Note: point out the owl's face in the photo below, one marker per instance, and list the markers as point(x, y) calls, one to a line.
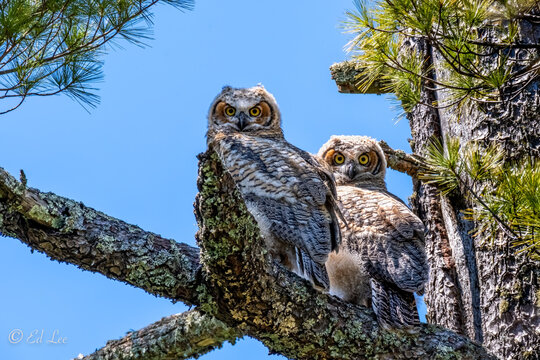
point(250, 110)
point(355, 160)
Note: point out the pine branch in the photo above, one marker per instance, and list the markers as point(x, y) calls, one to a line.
point(249, 291)
point(504, 226)
point(347, 77)
point(68, 231)
point(239, 284)
point(52, 47)
point(459, 31)
point(453, 166)
point(180, 336)
point(398, 160)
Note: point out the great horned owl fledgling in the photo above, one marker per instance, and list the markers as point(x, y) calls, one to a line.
point(290, 195)
point(381, 261)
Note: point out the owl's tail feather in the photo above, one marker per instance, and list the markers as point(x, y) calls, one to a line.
point(395, 308)
point(314, 272)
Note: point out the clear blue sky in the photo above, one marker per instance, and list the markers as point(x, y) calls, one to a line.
point(133, 157)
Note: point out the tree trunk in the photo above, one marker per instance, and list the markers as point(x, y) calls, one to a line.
point(480, 286)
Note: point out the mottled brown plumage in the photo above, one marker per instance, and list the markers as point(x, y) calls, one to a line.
point(288, 192)
point(381, 261)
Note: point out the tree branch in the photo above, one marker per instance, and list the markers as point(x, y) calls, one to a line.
point(249, 291)
point(346, 74)
point(239, 284)
point(68, 231)
point(400, 161)
point(179, 336)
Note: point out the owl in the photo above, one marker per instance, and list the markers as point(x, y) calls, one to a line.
point(381, 261)
point(289, 193)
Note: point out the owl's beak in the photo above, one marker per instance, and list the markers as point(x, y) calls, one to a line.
point(351, 171)
point(243, 121)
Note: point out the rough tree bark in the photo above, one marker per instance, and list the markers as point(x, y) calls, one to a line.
point(179, 336)
point(237, 290)
point(479, 286)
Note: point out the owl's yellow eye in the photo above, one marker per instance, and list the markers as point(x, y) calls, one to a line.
point(230, 111)
point(339, 159)
point(255, 111)
point(363, 159)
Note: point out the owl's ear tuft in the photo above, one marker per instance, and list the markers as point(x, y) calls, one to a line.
point(336, 140)
point(226, 88)
point(260, 85)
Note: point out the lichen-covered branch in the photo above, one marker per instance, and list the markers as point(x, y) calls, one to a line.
point(239, 290)
point(68, 231)
point(346, 75)
point(400, 161)
point(179, 336)
point(249, 291)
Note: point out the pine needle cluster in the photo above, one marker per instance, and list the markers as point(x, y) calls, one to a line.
point(505, 195)
point(475, 43)
point(53, 46)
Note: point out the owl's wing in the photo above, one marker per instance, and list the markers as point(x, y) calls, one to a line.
point(296, 222)
point(392, 238)
point(289, 195)
point(394, 308)
point(389, 240)
point(312, 270)
point(331, 202)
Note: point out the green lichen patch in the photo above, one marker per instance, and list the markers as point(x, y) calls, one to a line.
point(503, 306)
point(106, 244)
point(347, 75)
point(225, 218)
point(137, 272)
point(41, 215)
point(446, 353)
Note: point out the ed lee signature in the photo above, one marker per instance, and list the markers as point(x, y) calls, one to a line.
point(36, 336)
